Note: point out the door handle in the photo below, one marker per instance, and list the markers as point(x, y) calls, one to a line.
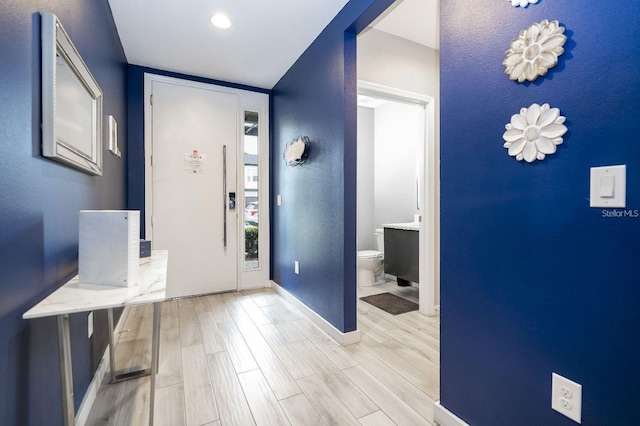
point(224, 195)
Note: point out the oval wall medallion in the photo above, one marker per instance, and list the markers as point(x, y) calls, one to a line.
point(296, 151)
point(534, 133)
point(534, 51)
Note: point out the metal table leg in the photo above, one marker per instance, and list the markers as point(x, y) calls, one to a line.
point(155, 352)
point(115, 377)
point(66, 370)
point(112, 357)
point(155, 356)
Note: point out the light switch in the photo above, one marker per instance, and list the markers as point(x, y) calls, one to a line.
point(608, 187)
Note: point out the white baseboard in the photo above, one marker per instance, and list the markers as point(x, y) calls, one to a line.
point(444, 417)
point(90, 396)
point(344, 339)
point(256, 286)
point(92, 391)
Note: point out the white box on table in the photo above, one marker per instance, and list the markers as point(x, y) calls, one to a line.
point(109, 247)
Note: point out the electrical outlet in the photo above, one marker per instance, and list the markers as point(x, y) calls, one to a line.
point(89, 324)
point(566, 397)
point(296, 267)
point(566, 392)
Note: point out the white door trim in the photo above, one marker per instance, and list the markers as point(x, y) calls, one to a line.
point(250, 101)
point(429, 244)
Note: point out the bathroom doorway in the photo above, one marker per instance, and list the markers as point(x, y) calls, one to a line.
point(398, 59)
point(397, 182)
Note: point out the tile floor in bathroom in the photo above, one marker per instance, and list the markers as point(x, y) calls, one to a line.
point(251, 358)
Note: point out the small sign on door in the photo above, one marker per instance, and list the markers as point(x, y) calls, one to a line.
point(195, 162)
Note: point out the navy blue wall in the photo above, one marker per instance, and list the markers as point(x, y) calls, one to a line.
point(136, 128)
point(316, 222)
point(533, 280)
point(40, 203)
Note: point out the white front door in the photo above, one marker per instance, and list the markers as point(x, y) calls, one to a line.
point(194, 135)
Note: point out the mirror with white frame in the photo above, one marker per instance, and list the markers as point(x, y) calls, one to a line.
point(71, 102)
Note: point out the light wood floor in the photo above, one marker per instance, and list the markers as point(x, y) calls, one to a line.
point(251, 358)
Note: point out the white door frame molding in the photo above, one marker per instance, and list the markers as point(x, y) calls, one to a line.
point(429, 244)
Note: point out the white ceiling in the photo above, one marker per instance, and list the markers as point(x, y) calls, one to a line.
point(265, 40)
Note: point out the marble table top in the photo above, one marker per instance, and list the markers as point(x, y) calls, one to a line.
point(75, 296)
point(410, 226)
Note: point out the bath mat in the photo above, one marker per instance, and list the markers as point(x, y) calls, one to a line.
point(391, 303)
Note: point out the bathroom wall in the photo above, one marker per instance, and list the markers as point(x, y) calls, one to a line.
point(390, 138)
point(366, 179)
point(398, 142)
point(534, 281)
point(40, 204)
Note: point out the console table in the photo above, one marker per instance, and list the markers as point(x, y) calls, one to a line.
point(74, 297)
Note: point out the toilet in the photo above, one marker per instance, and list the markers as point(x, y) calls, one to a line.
point(370, 263)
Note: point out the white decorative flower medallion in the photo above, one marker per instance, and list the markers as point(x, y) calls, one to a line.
point(534, 51)
point(522, 3)
point(534, 133)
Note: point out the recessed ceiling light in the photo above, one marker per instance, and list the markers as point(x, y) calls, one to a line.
point(220, 20)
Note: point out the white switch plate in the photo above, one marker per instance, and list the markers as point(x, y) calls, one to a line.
point(566, 397)
point(296, 267)
point(279, 199)
point(602, 178)
point(89, 324)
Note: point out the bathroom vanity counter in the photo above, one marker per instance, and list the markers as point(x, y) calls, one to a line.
point(409, 226)
point(402, 252)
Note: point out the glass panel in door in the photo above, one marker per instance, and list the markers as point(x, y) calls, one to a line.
point(251, 191)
